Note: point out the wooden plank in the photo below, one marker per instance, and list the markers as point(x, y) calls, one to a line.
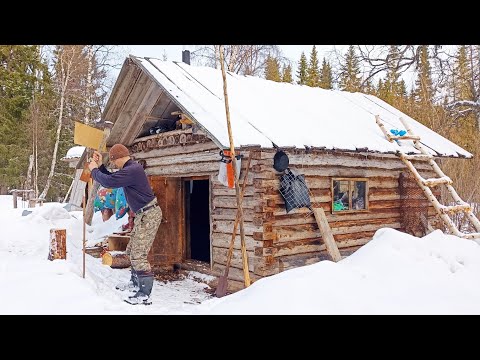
point(78, 189)
point(220, 257)
point(294, 249)
point(371, 166)
point(193, 169)
point(290, 262)
point(264, 186)
point(234, 273)
point(169, 245)
point(225, 226)
point(119, 132)
point(334, 172)
point(222, 240)
point(310, 231)
point(225, 191)
point(182, 159)
point(178, 149)
point(269, 154)
point(327, 235)
point(227, 202)
point(145, 105)
point(335, 220)
point(301, 161)
point(229, 214)
point(124, 84)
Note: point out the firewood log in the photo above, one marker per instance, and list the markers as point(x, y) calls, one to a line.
point(116, 259)
point(58, 244)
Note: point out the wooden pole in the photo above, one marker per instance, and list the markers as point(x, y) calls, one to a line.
point(14, 193)
point(327, 235)
point(95, 185)
point(246, 275)
point(84, 231)
point(222, 281)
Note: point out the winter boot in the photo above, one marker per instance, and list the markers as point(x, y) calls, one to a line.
point(145, 282)
point(131, 285)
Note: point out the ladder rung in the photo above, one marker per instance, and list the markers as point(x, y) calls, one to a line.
point(437, 181)
point(471, 236)
point(404, 137)
point(418, 157)
point(455, 208)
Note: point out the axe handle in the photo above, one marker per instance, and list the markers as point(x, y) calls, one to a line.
point(96, 185)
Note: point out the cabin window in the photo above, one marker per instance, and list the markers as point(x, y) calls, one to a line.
point(349, 195)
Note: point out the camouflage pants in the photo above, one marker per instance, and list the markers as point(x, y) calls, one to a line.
point(142, 236)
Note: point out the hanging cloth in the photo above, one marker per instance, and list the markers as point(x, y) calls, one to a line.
point(294, 190)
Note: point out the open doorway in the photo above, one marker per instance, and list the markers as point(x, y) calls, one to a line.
point(197, 219)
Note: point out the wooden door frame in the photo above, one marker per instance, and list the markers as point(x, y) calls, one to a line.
point(187, 231)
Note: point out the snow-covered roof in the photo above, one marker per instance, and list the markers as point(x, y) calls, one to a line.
point(75, 152)
point(263, 112)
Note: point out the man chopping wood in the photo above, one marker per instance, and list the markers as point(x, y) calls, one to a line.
point(148, 215)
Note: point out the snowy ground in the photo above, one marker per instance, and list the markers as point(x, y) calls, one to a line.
point(393, 274)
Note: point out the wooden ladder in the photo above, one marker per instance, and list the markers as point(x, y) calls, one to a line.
point(426, 184)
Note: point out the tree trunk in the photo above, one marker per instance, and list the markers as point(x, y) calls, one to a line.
point(116, 260)
point(28, 183)
point(58, 244)
point(68, 192)
point(65, 78)
point(35, 155)
point(89, 85)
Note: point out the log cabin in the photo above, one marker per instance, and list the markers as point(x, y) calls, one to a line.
point(171, 116)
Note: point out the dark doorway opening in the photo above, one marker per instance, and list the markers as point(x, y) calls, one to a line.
point(197, 195)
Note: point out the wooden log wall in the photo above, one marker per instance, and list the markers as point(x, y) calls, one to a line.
point(291, 240)
point(188, 153)
point(275, 240)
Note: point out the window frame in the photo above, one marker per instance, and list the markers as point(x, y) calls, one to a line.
point(351, 184)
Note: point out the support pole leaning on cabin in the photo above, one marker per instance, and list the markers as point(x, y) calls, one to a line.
point(246, 275)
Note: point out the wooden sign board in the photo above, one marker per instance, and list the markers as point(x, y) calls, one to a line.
point(88, 136)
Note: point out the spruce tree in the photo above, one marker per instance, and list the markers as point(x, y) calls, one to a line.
point(423, 83)
point(350, 77)
point(272, 70)
point(18, 84)
point(326, 77)
point(461, 88)
point(302, 70)
point(287, 74)
point(313, 72)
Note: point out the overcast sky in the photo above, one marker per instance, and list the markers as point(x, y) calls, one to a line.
point(174, 52)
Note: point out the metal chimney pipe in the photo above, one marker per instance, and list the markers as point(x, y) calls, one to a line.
point(186, 56)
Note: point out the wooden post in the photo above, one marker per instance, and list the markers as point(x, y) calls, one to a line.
point(84, 231)
point(222, 281)
point(246, 275)
point(327, 235)
point(31, 198)
point(58, 244)
point(14, 193)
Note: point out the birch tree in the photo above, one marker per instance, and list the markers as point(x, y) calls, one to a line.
point(240, 59)
point(66, 65)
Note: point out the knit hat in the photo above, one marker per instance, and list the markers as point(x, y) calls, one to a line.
point(118, 151)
